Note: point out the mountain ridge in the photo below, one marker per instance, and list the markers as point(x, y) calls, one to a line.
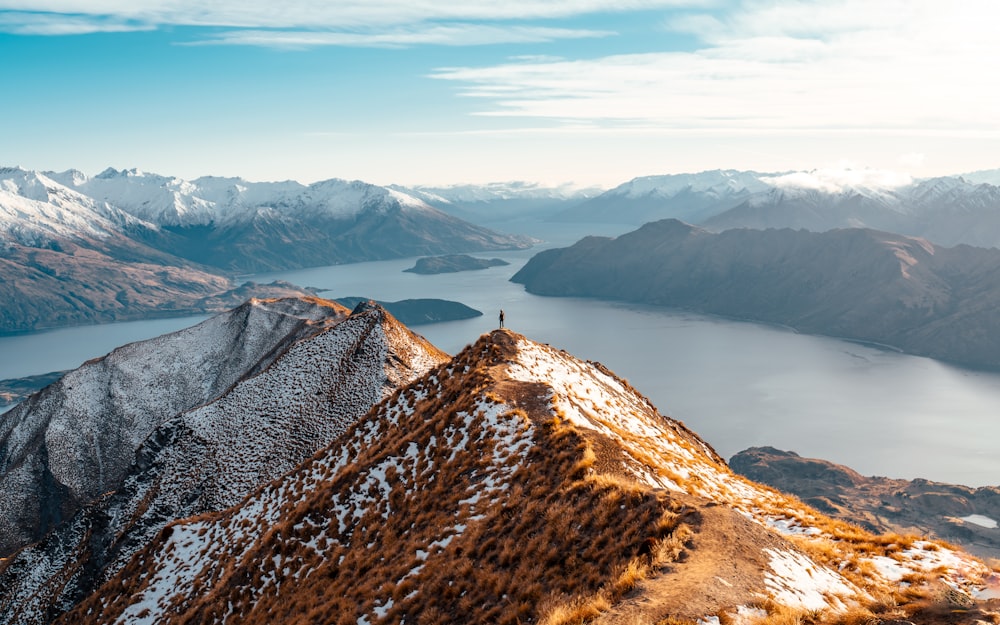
point(516, 483)
point(208, 457)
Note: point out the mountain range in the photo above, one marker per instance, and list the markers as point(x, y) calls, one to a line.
point(126, 244)
point(858, 284)
point(345, 471)
point(947, 210)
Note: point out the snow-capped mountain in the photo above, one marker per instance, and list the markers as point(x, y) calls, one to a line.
point(308, 389)
point(37, 210)
point(516, 483)
point(688, 197)
point(500, 202)
point(946, 210)
point(127, 244)
point(245, 226)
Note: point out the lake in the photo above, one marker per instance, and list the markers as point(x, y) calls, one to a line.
point(736, 384)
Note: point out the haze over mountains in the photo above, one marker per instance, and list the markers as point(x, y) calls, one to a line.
point(947, 210)
point(512, 483)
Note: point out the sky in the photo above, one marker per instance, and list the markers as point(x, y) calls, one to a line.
point(437, 92)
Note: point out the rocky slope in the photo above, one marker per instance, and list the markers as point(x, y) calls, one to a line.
point(210, 457)
point(854, 283)
point(959, 514)
point(76, 439)
point(517, 484)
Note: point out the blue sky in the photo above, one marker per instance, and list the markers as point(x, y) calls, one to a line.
point(440, 92)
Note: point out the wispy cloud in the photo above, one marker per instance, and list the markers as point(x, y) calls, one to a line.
point(450, 35)
point(335, 22)
point(893, 65)
point(837, 180)
point(50, 24)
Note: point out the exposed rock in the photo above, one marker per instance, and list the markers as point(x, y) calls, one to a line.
point(879, 503)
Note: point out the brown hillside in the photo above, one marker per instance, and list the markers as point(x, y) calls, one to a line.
point(517, 484)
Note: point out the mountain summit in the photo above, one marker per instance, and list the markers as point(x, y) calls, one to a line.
point(518, 484)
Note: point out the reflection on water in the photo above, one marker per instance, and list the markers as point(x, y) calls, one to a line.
point(736, 384)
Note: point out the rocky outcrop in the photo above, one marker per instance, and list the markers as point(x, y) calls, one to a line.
point(959, 514)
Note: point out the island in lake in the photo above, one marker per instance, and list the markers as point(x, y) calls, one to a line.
point(452, 263)
point(420, 311)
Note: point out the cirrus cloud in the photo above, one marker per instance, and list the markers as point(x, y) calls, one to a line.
point(871, 66)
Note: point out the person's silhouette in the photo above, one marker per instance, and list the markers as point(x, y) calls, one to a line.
point(501, 317)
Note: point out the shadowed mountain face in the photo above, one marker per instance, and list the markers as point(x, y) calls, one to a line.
point(857, 284)
point(324, 370)
point(513, 483)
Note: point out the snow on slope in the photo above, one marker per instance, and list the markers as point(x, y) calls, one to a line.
point(35, 209)
point(170, 201)
point(75, 439)
point(434, 506)
point(719, 183)
point(211, 457)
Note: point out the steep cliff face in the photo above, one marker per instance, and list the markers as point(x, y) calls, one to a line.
point(75, 440)
point(853, 283)
point(209, 458)
point(517, 484)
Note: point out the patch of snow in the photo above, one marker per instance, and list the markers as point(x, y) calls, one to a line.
point(980, 520)
point(797, 581)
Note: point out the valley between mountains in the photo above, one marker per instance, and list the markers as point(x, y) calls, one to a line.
point(292, 461)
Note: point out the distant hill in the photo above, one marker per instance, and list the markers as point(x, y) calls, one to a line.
point(854, 283)
point(452, 263)
point(420, 311)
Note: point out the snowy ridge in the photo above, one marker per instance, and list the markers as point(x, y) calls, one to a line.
point(496, 191)
point(171, 201)
point(35, 209)
point(211, 457)
point(83, 431)
point(718, 183)
point(514, 462)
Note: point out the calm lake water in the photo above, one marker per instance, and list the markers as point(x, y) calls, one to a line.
point(736, 384)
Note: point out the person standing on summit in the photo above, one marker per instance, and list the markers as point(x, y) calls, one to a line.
point(501, 317)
